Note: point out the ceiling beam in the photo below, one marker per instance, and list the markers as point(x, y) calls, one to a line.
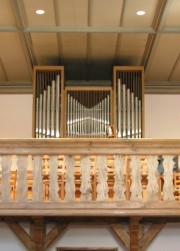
point(159, 17)
point(89, 29)
point(20, 15)
point(9, 28)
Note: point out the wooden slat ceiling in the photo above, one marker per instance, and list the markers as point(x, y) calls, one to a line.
point(89, 37)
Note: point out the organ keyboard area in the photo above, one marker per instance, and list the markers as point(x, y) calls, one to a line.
point(61, 111)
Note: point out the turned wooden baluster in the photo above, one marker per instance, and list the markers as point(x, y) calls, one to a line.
point(168, 188)
point(6, 173)
point(22, 178)
point(37, 188)
point(152, 186)
point(119, 186)
point(136, 186)
point(70, 182)
point(86, 189)
point(53, 169)
point(102, 187)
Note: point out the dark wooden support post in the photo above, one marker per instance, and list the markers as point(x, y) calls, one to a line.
point(134, 233)
point(37, 233)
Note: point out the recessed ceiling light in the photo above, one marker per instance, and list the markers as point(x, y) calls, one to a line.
point(140, 12)
point(40, 12)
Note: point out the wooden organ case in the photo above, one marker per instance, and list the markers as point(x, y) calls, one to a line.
point(48, 85)
point(61, 111)
point(128, 86)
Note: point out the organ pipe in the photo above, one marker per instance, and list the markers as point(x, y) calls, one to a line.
point(87, 113)
point(47, 105)
point(57, 94)
point(118, 108)
point(129, 104)
point(52, 108)
point(48, 111)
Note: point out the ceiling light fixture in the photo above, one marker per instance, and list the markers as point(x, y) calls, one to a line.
point(40, 12)
point(140, 12)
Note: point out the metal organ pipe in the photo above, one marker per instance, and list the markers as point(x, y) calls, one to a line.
point(68, 114)
point(52, 108)
point(57, 134)
point(90, 112)
point(129, 105)
point(37, 117)
point(132, 115)
point(44, 115)
point(119, 108)
point(40, 114)
point(43, 105)
point(140, 117)
point(124, 110)
point(47, 111)
point(128, 114)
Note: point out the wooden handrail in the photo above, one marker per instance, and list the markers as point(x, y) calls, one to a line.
point(95, 146)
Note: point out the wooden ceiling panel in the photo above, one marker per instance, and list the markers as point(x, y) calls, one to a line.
point(133, 40)
point(3, 75)
point(73, 12)
point(44, 39)
point(13, 57)
point(164, 58)
point(74, 45)
point(103, 46)
point(106, 13)
point(35, 20)
point(175, 74)
point(6, 13)
point(130, 18)
point(45, 47)
point(173, 14)
point(131, 48)
point(46, 56)
point(88, 37)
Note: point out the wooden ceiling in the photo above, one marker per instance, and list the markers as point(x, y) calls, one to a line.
point(89, 37)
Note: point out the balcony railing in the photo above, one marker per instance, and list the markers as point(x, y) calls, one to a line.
point(89, 177)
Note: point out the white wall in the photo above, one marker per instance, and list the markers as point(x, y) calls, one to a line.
point(162, 120)
point(87, 236)
point(8, 240)
point(99, 236)
point(93, 236)
point(162, 116)
point(15, 116)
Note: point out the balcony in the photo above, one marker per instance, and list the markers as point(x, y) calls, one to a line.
point(89, 177)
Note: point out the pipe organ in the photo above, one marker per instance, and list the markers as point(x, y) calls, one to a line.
point(88, 112)
point(83, 112)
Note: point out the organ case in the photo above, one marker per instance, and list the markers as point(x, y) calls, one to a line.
point(48, 85)
point(88, 111)
point(128, 86)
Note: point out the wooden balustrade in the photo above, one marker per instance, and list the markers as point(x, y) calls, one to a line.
point(108, 173)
